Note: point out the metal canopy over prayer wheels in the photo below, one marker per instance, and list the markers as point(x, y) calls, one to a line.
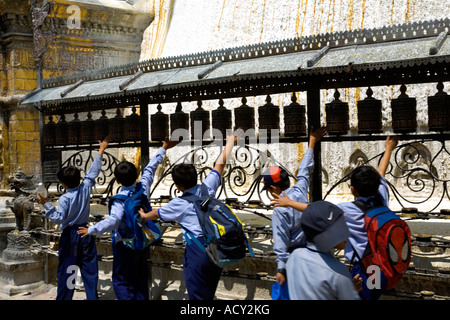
point(337, 115)
point(294, 119)
point(132, 126)
point(61, 131)
point(179, 119)
point(369, 114)
point(244, 116)
point(439, 110)
point(88, 130)
point(221, 119)
point(74, 130)
point(102, 127)
point(199, 121)
point(404, 112)
point(159, 123)
point(50, 132)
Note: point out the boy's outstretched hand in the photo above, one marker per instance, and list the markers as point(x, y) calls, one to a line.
point(103, 144)
point(316, 135)
point(167, 144)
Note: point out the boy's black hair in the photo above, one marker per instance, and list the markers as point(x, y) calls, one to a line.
point(366, 180)
point(70, 176)
point(184, 175)
point(126, 173)
point(285, 182)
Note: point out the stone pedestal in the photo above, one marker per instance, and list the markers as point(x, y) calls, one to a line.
point(20, 269)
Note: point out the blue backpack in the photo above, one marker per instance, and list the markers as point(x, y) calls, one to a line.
point(136, 235)
point(225, 240)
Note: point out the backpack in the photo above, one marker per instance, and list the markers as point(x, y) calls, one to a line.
point(225, 240)
point(136, 235)
point(389, 243)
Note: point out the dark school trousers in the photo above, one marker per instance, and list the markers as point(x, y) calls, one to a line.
point(130, 273)
point(201, 276)
point(76, 252)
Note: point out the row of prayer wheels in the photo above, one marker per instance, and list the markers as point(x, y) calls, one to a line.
point(122, 129)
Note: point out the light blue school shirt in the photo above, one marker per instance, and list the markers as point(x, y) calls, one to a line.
point(116, 214)
point(355, 222)
point(182, 211)
point(314, 275)
point(287, 233)
point(74, 205)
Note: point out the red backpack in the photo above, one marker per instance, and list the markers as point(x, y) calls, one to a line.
point(389, 243)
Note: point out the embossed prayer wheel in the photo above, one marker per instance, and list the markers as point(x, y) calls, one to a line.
point(102, 127)
point(294, 119)
point(439, 110)
point(404, 112)
point(50, 132)
point(337, 115)
point(221, 119)
point(74, 130)
point(61, 131)
point(369, 114)
point(159, 123)
point(88, 130)
point(117, 127)
point(179, 119)
point(244, 117)
point(199, 122)
point(269, 116)
point(132, 130)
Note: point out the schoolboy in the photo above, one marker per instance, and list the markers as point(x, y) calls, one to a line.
point(130, 270)
point(73, 209)
point(201, 276)
point(287, 233)
point(313, 271)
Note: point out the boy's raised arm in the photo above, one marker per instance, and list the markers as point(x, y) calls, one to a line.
point(390, 145)
point(223, 157)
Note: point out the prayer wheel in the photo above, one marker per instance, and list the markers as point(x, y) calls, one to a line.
point(179, 119)
point(159, 123)
point(50, 132)
point(132, 126)
point(221, 119)
point(269, 116)
point(439, 110)
point(102, 127)
point(294, 119)
point(88, 130)
point(74, 130)
point(61, 131)
point(116, 127)
point(244, 117)
point(337, 115)
point(404, 113)
point(369, 114)
point(199, 122)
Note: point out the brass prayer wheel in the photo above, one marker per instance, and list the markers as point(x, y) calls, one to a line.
point(369, 114)
point(199, 122)
point(50, 132)
point(294, 118)
point(269, 116)
point(61, 131)
point(74, 130)
point(221, 119)
point(116, 127)
point(88, 130)
point(159, 123)
point(132, 126)
point(102, 127)
point(404, 112)
point(337, 115)
point(244, 116)
point(179, 119)
point(439, 110)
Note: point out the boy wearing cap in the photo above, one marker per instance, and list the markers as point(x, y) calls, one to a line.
point(287, 233)
point(313, 271)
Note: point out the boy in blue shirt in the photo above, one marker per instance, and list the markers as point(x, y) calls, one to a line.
point(73, 211)
point(287, 233)
point(130, 270)
point(201, 276)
